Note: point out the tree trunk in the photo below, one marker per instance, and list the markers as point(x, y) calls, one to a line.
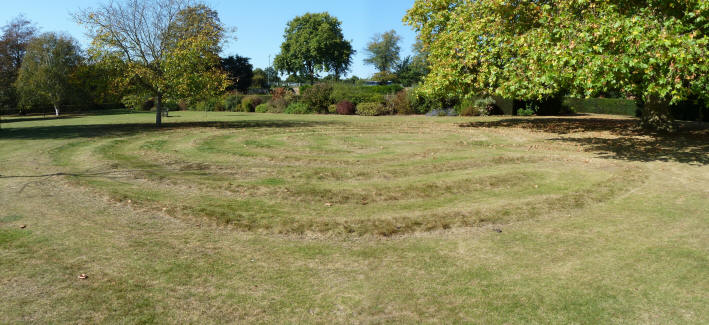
point(656, 115)
point(158, 110)
point(56, 110)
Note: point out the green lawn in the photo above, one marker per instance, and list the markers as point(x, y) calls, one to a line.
point(262, 218)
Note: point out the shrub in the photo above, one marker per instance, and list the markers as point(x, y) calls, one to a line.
point(529, 110)
point(298, 108)
point(280, 99)
point(231, 102)
point(479, 107)
point(318, 97)
point(133, 102)
point(303, 88)
point(345, 108)
point(400, 103)
point(249, 103)
point(262, 108)
point(281, 92)
point(356, 94)
point(210, 105)
point(372, 109)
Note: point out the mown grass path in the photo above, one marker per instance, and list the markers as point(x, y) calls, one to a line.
point(277, 218)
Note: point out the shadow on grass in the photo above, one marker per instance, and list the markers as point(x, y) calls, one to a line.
point(624, 140)
point(6, 120)
point(128, 129)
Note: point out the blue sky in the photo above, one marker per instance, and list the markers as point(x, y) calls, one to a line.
point(259, 24)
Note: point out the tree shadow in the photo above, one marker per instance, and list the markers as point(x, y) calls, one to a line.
point(128, 129)
point(6, 120)
point(622, 138)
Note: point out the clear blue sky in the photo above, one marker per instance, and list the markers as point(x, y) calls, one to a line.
point(259, 24)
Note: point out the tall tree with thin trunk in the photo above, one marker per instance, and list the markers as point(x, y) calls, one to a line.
point(44, 76)
point(166, 47)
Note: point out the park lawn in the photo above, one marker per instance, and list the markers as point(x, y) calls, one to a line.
point(262, 218)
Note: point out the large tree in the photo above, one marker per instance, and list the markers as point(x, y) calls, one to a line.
point(314, 43)
point(16, 35)
point(383, 51)
point(44, 76)
point(240, 72)
point(654, 50)
point(166, 47)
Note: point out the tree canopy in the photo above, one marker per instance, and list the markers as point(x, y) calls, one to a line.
point(239, 71)
point(167, 47)
point(654, 50)
point(15, 38)
point(47, 65)
point(314, 43)
point(383, 51)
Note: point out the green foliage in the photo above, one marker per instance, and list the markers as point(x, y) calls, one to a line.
point(410, 71)
point(485, 106)
point(384, 77)
point(280, 99)
point(135, 102)
point(653, 50)
point(259, 79)
point(615, 106)
point(314, 43)
point(239, 71)
point(44, 76)
point(232, 102)
point(373, 109)
point(383, 51)
point(298, 108)
point(318, 97)
point(361, 94)
point(168, 55)
point(262, 108)
point(16, 36)
point(214, 104)
point(530, 109)
point(249, 103)
point(401, 103)
point(303, 88)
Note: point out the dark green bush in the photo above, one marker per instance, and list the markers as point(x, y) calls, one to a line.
point(615, 106)
point(373, 109)
point(298, 108)
point(318, 97)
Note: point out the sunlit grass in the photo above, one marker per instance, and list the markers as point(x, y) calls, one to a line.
point(301, 219)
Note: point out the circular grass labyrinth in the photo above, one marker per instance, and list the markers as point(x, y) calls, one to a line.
point(379, 176)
